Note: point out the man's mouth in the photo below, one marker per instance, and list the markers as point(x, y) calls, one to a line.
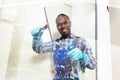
point(64, 30)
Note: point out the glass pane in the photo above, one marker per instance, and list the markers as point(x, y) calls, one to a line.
point(18, 18)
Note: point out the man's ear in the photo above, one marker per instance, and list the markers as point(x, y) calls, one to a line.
point(70, 23)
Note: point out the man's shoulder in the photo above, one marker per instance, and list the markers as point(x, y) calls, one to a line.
point(78, 37)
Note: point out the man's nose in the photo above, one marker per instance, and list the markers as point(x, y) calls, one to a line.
point(63, 25)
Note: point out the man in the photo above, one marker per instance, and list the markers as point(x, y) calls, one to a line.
point(69, 50)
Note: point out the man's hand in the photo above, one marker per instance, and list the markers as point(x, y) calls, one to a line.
point(85, 58)
point(76, 54)
point(37, 33)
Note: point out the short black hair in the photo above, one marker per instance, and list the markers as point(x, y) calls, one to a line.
point(62, 15)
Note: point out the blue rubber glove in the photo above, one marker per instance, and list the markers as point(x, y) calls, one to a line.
point(85, 58)
point(76, 54)
point(37, 33)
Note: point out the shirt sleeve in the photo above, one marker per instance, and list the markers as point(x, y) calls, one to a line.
point(88, 50)
point(43, 48)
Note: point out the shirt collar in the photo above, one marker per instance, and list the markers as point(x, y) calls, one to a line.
point(70, 36)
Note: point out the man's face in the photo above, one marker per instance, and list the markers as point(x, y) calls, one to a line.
point(63, 25)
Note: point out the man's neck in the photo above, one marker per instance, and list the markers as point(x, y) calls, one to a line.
point(65, 36)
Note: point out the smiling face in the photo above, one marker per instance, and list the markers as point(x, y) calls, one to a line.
point(63, 25)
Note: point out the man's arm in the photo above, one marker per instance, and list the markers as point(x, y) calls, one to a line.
point(43, 48)
point(37, 44)
point(92, 61)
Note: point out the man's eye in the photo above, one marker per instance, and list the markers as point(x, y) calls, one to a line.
point(65, 22)
point(58, 25)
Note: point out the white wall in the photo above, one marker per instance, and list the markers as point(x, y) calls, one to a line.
point(115, 39)
point(7, 24)
point(115, 49)
point(6, 30)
